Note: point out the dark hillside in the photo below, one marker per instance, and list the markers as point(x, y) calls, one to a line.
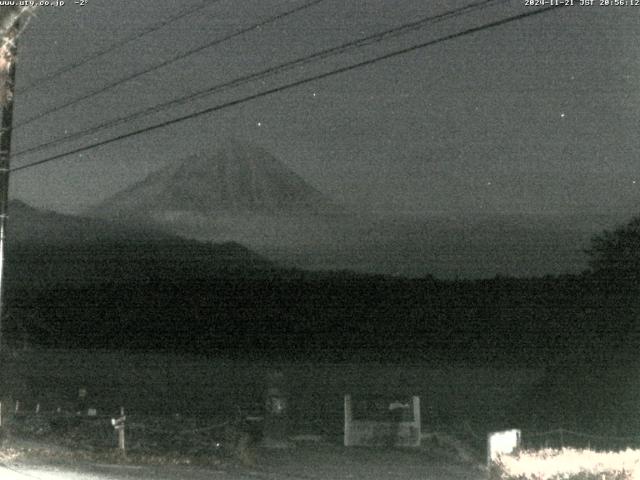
point(567, 320)
point(47, 250)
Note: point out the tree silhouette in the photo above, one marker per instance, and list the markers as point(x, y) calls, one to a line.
point(9, 30)
point(10, 15)
point(616, 254)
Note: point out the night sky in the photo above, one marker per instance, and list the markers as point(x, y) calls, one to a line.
point(540, 115)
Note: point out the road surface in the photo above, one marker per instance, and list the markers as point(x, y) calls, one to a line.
point(21, 471)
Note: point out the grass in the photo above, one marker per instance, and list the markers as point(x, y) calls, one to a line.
point(64, 437)
point(165, 395)
point(165, 384)
point(568, 464)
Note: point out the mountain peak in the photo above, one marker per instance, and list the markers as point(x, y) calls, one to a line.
point(236, 178)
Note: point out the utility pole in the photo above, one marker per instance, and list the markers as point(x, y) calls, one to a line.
point(9, 22)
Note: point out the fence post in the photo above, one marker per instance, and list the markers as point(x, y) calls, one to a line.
point(276, 422)
point(348, 419)
point(121, 439)
point(119, 425)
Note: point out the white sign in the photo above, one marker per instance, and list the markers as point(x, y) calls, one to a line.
point(502, 443)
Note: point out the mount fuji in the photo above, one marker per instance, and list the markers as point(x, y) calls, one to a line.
point(238, 193)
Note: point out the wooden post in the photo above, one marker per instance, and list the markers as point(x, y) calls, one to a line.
point(348, 418)
point(417, 419)
point(121, 439)
point(119, 425)
point(275, 433)
point(489, 457)
point(7, 80)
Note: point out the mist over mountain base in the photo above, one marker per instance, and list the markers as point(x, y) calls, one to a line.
point(447, 248)
point(242, 193)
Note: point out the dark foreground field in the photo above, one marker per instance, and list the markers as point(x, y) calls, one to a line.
point(179, 408)
point(160, 384)
point(56, 445)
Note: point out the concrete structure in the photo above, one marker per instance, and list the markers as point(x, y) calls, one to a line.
point(381, 421)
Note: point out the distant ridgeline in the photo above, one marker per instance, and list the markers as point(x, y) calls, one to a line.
point(48, 250)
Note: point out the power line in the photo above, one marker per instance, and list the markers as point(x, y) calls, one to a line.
point(368, 40)
point(171, 60)
point(297, 83)
point(131, 38)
